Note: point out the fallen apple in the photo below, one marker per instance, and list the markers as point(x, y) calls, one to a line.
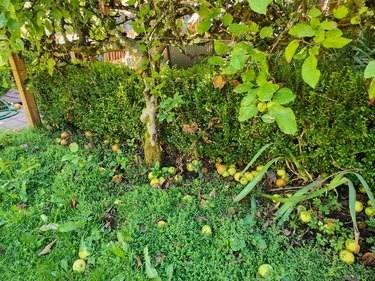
point(265, 269)
point(346, 256)
point(305, 216)
point(351, 246)
point(206, 229)
point(79, 266)
point(162, 224)
point(83, 253)
point(117, 179)
point(64, 142)
point(115, 147)
point(178, 178)
point(64, 135)
point(172, 170)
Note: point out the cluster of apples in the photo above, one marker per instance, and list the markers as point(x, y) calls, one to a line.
point(245, 177)
point(157, 176)
point(80, 264)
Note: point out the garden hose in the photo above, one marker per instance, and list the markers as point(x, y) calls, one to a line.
point(6, 110)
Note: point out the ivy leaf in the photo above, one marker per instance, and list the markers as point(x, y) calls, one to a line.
point(284, 96)
point(220, 48)
point(333, 42)
point(238, 29)
point(216, 60)
point(285, 118)
point(340, 12)
point(291, 49)
point(310, 73)
point(13, 26)
point(302, 30)
point(266, 92)
point(314, 12)
point(204, 26)
point(266, 32)
point(370, 70)
point(253, 27)
point(259, 6)
point(227, 19)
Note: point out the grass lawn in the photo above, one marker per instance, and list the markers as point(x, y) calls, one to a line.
point(51, 194)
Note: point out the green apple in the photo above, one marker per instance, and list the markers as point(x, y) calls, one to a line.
point(351, 246)
point(178, 178)
point(305, 216)
point(79, 266)
point(150, 176)
point(162, 224)
point(244, 181)
point(172, 170)
point(249, 176)
point(206, 229)
point(154, 182)
point(265, 269)
point(232, 171)
point(187, 198)
point(346, 256)
point(237, 176)
point(358, 206)
point(83, 253)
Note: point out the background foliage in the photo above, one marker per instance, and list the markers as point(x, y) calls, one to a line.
point(335, 123)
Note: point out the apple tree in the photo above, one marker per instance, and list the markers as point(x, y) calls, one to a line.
point(246, 33)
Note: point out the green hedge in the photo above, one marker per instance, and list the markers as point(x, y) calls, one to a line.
point(103, 98)
point(336, 125)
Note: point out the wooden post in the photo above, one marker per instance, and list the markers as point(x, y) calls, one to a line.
point(28, 101)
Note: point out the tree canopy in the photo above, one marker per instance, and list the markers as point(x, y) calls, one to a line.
point(245, 35)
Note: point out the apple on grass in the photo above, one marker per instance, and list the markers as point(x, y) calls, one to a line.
point(79, 266)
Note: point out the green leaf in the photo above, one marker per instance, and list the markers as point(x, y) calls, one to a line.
point(227, 19)
point(291, 49)
point(150, 271)
point(243, 88)
point(259, 6)
point(5, 3)
point(71, 226)
point(216, 60)
point(314, 51)
point(220, 48)
point(334, 33)
point(238, 29)
point(340, 12)
point(238, 59)
point(51, 66)
point(3, 20)
point(284, 96)
point(266, 32)
point(302, 30)
point(253, 27)
point(310, 73)
point(332, 42)
point(285, 118)
point(319, 36)
point(265, 92)
point(204, 26)
point(370, 70)
point(314, 23)
point(266, 118)
point(371, 90)
point(18, 46)
point(13, 26)
point(328, 25)
point(314, 12)
point(247, 108)
point(116, 249)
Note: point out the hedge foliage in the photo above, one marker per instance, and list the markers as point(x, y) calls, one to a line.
point(102, 98)
point(336, 125)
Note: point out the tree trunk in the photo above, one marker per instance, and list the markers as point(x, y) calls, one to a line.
point(152, 148)
point(28, 101)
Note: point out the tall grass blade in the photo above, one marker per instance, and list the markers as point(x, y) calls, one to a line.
point(255, 180)
point(252, 161)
